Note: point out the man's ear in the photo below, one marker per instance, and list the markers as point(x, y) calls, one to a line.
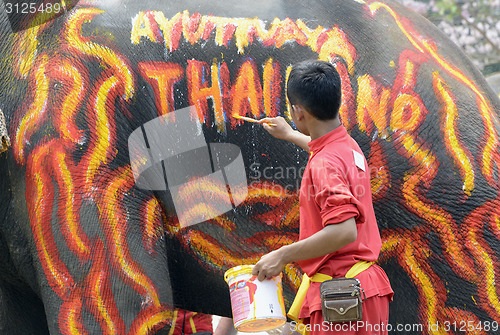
point(299, 112)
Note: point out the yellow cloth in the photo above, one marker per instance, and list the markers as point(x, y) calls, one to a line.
point(358, 268)
point(294, 311)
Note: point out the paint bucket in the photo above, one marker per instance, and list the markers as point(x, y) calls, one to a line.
point(257, 305)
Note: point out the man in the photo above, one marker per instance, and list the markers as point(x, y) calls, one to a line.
point(338, 228)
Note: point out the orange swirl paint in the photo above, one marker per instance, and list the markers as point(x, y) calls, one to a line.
point(171, 30)
point(100, 301)
point(68, 206)
point(454, 314)
point(248, 29)
point(274, 240)
point(36, 112)
point(426, 167)
point(412, 252)
point(190, 194)
point(25, 49)
point(284, 204)
point(334, 42)
point(40, 201)
point(491, 150)
point(247, 92)
point(152, 224)
point(110, 188)
point(294, 275)
point(372, 106)
point(162, 77)
point(151, 319)
point(195, 27)
point(379, 171)
point(70, 315)
point(407, 113)
point(206, 247)
point(491, 154)
point(284, 215)
point(291, 218)
point(142, 24)
point(461, 155)
point(203, 210)
point(408, 109)
point(485, 258)
point(328, 43)
point(347, 111)
point(391, 244)
point(79, 44)
point(402, 23)
point(426, 281)
point(200, 90)
point(218, 254)
point(270, 193)
point(283, 31)
point(312, 36)
point(272, 88)
point(102, 126)
point(224, 223)
point(114, 216)
point(75, 85)
point(495, 223)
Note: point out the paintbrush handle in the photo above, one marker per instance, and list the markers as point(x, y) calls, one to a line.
point(244, 118)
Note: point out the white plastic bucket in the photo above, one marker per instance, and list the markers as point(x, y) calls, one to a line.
point(257, 305)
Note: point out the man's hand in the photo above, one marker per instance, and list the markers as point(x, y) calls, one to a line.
point(328, 240)
point(270, 265)
point(283, 131)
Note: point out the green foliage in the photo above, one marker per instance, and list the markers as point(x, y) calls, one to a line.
point(448, 9)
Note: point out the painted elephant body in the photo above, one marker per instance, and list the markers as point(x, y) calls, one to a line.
point(85, 250)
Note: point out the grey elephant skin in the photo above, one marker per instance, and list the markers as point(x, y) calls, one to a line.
point(87, 248)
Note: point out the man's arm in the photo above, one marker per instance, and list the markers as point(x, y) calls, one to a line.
point(328, 240)
point(283, 131)
point(225, 327)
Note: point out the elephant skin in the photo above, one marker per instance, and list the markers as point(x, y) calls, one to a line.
point(86, 250)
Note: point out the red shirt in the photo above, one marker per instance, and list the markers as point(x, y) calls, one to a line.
point(336, 186)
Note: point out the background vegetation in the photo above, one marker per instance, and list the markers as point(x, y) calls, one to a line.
point(474, 25)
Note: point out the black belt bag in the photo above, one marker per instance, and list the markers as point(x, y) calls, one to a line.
point(341, 300)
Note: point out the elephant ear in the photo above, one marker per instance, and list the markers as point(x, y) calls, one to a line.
point(4, 137)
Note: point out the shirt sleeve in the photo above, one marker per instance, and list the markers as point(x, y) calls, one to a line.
point(333, 195)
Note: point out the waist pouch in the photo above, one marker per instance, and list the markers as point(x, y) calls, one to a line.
point(341, 300)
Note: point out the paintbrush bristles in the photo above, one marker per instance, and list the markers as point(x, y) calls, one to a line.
point(244, 118)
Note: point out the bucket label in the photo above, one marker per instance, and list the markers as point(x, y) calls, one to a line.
point(242, 294)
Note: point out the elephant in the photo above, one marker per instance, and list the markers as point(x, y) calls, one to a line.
point(85, 248)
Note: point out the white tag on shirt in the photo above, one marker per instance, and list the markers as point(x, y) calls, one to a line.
point(359, 160)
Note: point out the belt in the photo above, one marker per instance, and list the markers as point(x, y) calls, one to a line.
point(294, 311)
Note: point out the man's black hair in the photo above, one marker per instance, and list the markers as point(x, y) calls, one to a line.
point(316, 86)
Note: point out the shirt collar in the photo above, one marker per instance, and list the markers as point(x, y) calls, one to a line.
point(334, 135)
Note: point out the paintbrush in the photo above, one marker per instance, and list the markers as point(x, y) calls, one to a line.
point(244, 118)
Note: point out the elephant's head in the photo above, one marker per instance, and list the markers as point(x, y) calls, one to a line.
point(93, 246)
